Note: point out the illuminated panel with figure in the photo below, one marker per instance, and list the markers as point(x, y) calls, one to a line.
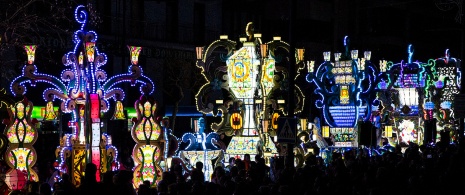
point(244, 84)
point(84, 91)
point(409, 83)
point(345, 88)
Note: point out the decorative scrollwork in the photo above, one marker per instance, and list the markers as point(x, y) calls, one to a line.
point(18, 89)
point(68, 75)
point(51, 94)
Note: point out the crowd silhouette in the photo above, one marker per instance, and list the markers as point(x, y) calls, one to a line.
point(433, 169)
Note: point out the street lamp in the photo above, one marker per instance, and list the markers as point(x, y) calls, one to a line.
point(300, 54)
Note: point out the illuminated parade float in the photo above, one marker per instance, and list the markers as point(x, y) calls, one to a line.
point(247, 86)
point(85, 91)
point(409, 84)
point(345, 87)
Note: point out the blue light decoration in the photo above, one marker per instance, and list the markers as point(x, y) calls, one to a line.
point(447, 85)
point(84, 90)
point(202, 148)
point(410, 85)
point(345, 88)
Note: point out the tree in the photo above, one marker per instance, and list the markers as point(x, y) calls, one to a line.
point(45, 23)
point(181, 75)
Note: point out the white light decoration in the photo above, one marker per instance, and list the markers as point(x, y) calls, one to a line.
point(367, 55)
point(408, 96)
point(337, 56)
point(327, 55)
point(354, 54)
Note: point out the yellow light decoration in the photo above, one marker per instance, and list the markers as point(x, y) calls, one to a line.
point(236, 120)
point(49, 114)
point(119, 111)
point(388, 131)
point(199, 52)
point(20, 130)
point(78, 159)
point(90, 51)
point(134, 52)
point(303, 124)
point(31, 51)
point(21, 158)
point(146, 128)
point(243, 145)
point(147, 158)
point(268, 76)
point(300, 54)
point(325, 131)
point(242, 71)
point(21, 134)
point(274, 121)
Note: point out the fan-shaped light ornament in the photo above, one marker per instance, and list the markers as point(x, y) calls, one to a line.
point(15, 179)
